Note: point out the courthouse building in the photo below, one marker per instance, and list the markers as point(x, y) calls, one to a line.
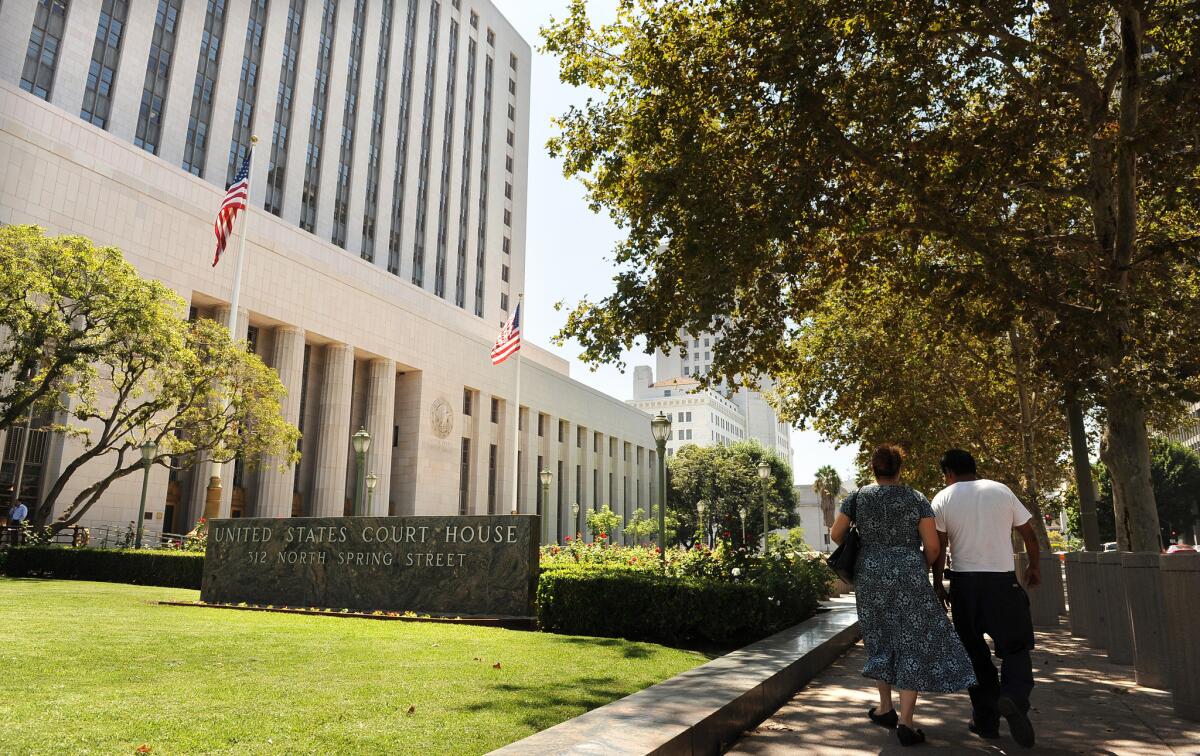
point(385, 239)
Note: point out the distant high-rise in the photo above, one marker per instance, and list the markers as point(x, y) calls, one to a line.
point(712, 416)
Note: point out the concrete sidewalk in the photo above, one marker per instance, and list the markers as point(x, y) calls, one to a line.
point(1082, 704)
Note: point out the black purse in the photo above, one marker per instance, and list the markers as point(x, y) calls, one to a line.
point(845, 555)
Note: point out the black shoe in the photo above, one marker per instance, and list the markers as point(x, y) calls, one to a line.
point(1018, 721)
point(986, 734)
point(908, 736)
point(889, 720)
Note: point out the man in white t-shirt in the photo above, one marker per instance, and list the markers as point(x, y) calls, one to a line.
point(975, 519)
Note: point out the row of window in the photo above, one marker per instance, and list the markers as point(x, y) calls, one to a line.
point(41, 62)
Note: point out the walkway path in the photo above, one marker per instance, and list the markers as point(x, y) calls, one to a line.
point(1082, 704)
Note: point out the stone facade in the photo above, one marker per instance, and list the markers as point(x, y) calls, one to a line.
point(355, 344)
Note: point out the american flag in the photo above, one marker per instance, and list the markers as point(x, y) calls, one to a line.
point(509, 340)
point(235, 200)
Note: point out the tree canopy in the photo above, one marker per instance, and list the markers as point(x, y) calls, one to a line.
point(726, 479)
point(118, 366)
point(1012, 162)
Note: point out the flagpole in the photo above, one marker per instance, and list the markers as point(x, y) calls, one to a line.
point(517, 419)
point(241, 252)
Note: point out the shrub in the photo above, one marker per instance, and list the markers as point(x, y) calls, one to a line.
point(172, 569)
point(706, 597)
point(630, 603)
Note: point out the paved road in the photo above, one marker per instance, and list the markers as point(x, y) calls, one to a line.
point(1082, 704)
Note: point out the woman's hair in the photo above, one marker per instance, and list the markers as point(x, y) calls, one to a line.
point(887, 461)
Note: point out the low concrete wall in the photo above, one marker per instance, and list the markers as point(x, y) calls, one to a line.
point(1143, 594)
point(1045, 601)
point(1095, 618)
point(1076, 599)
point(703, 710)
point(1112, 588)
point(1181, 593)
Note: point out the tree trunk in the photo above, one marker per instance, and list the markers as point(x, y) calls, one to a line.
point(1126, 452)
point(1030, 464)
point(1083, 474)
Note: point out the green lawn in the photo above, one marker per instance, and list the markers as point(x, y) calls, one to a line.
point(100, 668)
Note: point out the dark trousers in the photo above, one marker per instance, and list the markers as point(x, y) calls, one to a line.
point(994, 603)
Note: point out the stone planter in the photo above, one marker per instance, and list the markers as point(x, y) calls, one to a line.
point(1046, 599)
point(1112, 587)
point(1143, 595)
point(1181, 594)
point(1094, 617)
point(1076, 600)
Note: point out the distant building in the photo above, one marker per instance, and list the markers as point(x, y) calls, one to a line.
point(815, 522)
point(716, 415)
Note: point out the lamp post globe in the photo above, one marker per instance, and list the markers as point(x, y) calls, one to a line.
point(660, 427)
point(764, 472)
point(362, 442)
point(700, 507)
point(149, 449)
point(742, 514)
point(575, 518)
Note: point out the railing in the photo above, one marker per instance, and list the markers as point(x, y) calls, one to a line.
point(102, 535)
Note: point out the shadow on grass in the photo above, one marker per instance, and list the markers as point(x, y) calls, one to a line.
point(540, 707)
point(629, 649)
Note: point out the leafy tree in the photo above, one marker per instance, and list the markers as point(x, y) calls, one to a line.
point(1175, 470)
point(641, 527)
point(827, 485)
point(605, 521)
point(120, 367)
point(1033, 161)
point(726, 478)
point(926, 385)
point(64, 304)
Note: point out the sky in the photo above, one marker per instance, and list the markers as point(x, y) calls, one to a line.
point(568, 247)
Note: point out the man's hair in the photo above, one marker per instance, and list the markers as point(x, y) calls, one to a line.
point(887, 460)
point(958, 462)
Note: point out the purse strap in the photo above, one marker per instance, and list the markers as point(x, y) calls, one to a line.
point(853, 510)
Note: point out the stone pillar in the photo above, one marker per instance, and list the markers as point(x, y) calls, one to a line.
point(204, 468)
point(212, 497)
point(1144, 597)
point(1180, 575)
point(381, 417)
point(1075, 596)
point(275, 488)
point(1120, 633)
point(333, 432)
point(1045, 599)
point(1097, 631)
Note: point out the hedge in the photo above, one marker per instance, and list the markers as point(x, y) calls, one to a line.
point(645, 606)
point(173, 569)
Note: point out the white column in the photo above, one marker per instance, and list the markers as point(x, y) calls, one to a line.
point(131, 79)
point(333, 433)
point(16, 22)
point(177, 105)
point(75, 55)
point(381, 417)
point(275, 488)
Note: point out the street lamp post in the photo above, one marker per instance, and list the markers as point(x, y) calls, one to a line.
point(372, 481)
point(149, 449)
point(700, 507)
point(764, 472)
point(362, 442)
point(660, 426)
point(742, 514)
point(545, 476)
point(575, 519)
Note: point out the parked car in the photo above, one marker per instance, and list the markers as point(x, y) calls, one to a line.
point(1176, 548)
point(1110, 546)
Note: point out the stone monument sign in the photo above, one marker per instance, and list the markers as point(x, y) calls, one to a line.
point(463, 566)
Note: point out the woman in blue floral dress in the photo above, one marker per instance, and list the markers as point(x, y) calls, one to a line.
point(911, 645)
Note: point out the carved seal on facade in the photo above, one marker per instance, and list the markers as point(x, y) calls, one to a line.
point(442, 417)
